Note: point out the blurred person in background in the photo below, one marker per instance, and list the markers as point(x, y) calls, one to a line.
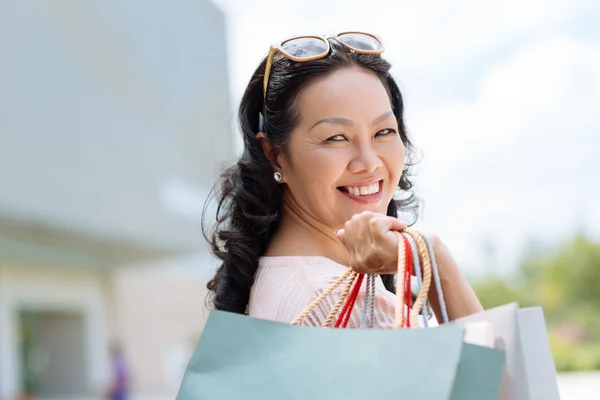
point(324, 174)
point(119, 387)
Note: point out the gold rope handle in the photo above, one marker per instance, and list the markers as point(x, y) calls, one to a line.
point(329, 320)
point(322, 296)
point(400, 311)
point(400, 282)
point(426, 268)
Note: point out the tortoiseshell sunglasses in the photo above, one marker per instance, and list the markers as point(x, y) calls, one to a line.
point(308, 48)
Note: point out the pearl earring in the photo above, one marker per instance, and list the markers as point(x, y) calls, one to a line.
point(277, 176)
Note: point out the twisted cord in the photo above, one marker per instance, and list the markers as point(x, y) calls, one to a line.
point(426, 261)
point(372, 301)
point(323, 295)
point(329, 320)
point(436, 278)
point(417, 267)
point(365, 312)
point(400, 285)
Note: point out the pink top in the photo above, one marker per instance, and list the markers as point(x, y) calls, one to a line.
point(285, 285)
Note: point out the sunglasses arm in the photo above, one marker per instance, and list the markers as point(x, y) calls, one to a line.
point(268, 72)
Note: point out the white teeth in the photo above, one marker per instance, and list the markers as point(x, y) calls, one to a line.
point(363, 190)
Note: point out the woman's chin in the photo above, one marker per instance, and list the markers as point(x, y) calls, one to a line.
point(359, 208)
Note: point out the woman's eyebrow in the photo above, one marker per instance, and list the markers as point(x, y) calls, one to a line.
point(348, 122)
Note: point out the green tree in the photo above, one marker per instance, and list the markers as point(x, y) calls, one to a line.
point(566, 283)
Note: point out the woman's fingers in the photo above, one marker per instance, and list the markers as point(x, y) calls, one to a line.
point(371, 242)
point(340, 235)
point(381, 224)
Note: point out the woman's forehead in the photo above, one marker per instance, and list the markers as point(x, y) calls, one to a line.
point(349, 93)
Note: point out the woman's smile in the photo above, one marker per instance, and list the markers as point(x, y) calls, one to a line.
point(364, 193)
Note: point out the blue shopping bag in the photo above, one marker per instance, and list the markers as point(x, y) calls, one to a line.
point(240, 357)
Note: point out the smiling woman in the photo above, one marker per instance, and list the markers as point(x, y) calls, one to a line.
point(325, 150)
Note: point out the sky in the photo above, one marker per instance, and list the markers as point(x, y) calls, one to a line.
point(501, 99)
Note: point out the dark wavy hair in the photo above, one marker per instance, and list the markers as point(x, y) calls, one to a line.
point(249, 199)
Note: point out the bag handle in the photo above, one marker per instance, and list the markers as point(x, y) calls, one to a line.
point(350, 275)
point(343, 296)
point(344, 317)
point(401, 287)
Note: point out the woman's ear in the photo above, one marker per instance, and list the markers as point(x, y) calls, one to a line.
point(270, 152)
point(274, 156)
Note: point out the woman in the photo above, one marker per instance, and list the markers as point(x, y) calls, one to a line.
point(325, 151)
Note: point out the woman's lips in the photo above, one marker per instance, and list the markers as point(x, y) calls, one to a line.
point(363, 198)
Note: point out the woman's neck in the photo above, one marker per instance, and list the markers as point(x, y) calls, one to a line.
point(300, 234)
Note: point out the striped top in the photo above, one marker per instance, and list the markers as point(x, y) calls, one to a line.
point(285, 285)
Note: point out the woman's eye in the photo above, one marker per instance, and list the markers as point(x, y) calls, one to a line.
point(337, 138)
point(386, 132)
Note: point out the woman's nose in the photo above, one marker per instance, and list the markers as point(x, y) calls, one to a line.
point(366, 159)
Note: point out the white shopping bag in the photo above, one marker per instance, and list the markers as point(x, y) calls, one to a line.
point(530, 373)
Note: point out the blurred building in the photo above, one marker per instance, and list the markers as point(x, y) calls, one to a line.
point(114, 121)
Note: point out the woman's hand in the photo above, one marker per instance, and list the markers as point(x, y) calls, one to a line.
point(373, 248)
point(371, 242)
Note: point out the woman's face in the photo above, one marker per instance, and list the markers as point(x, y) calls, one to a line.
point(346, 155)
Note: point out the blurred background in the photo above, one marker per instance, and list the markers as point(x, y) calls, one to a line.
point(116, 117)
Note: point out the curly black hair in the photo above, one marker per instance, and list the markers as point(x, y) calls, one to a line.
point(249, 199)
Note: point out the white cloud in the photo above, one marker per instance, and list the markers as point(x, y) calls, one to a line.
point(509, 162)
point(420, 38)
point(519, 161)
point(546, 90)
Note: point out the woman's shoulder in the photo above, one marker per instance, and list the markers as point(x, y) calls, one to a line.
point(296, 260)
point(312, 272)
point(271, 264)
point(284, 285)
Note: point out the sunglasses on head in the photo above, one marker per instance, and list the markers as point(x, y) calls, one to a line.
point(308, 48)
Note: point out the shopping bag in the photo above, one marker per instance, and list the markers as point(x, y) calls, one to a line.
point(542, 382)
point(240, 357)
point(530, 373)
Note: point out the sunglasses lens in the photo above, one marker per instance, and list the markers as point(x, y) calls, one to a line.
point(361, 41)
point(305, 47)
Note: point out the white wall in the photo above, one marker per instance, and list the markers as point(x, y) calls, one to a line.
point(122, 99)
point(52, 289)
point(160, 315)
